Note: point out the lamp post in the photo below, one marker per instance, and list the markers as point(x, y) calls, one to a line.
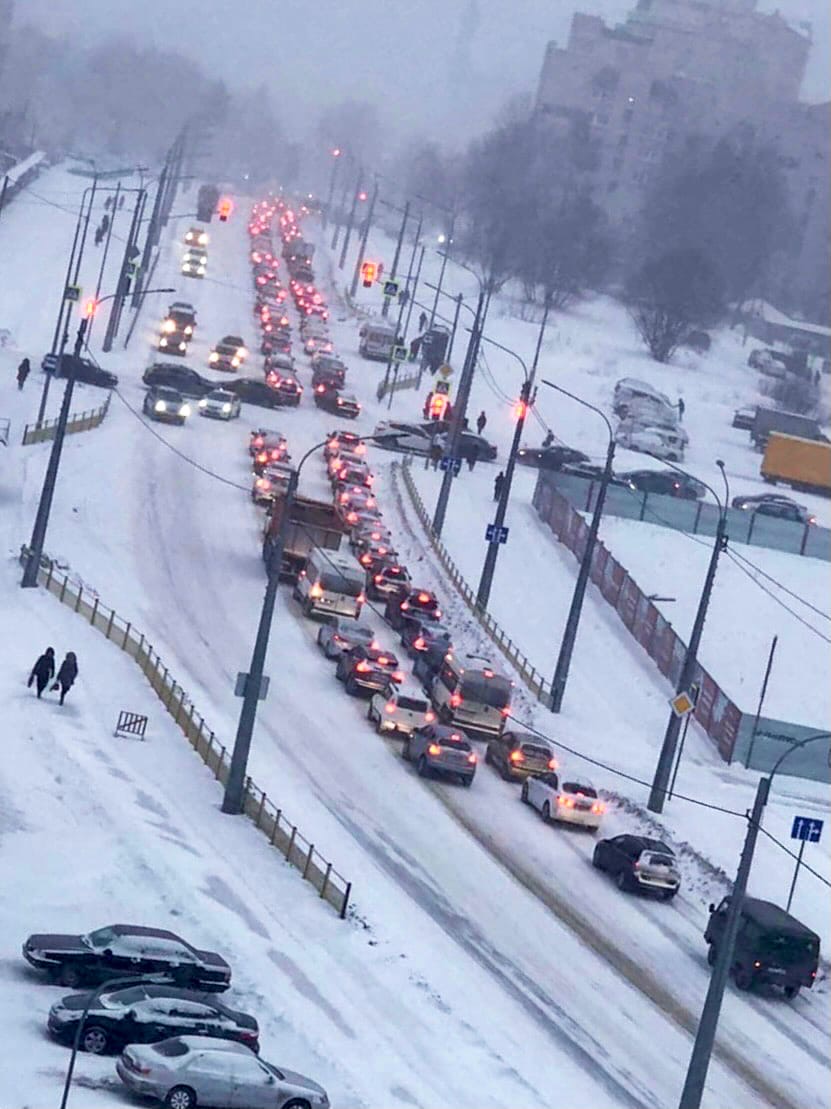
point(657, 794)
point(447, 241)
point(353, 288)
point(705, 1034)
point(336, 153)
point(560, 679)
point(357, 194)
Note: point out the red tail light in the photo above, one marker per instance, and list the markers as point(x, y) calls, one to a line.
point(423, 598)
point(434, 749)
point(316, 591)
point(365, 560)
point(363, 666)
point(419, 644)
point(405, 606)
point(472, 757)
point(517, 756)
point(397, 676)
point(429, 716)
point(506, 711)
point(552, 764)
point(378, 579)
point(598, 808)
point(389, 706)
point(361, 598)
point(258, 441)
point(455, 700)
point(262, 456)
point(383, 660)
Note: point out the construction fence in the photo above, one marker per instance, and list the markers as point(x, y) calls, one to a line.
point(78, 421)
point(265, 813)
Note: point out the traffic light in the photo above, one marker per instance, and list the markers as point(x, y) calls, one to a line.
point(89, 307)
point(226, 206)
point(369, 272)
point(520, 410)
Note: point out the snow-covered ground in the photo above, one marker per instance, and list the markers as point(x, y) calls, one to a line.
point(484, 955)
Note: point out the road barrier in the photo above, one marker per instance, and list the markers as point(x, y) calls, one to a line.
point(266, 815)
point(395, 384)
point(131, 723)
point(80, 421)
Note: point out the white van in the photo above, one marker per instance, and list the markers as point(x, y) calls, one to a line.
point(332, 584)
point(376, 339)
point(475, 698)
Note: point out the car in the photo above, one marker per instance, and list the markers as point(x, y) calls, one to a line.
point(194, 263)
point(367, 669)
point(369, 534)
point(224, 356)
point(270, 482)
point(85, 371)
point(375, 559)
point(196, 236)
point(419, 604)
point(591, 471)
point(219, 404)
point(354, 496)
point(125, 949)
point(237, 342)
point(144, 1014)
point(283, 363)
point(399, 710)
point(251, 391)
point(315, 343)
point(330, 376)
point(187, 381)
point(345, 458)
point(441, 750)
point(418, 636)
point(558, 797)
point(550, 458)
point(517, 755)
point(387, 581)
point(672, 483)
point(339, 635)
point(770, 504)
point(629, 391)
point(348, 470)
point(267, 437)
point(473, 446)
point(166, 405)
point(341, 439)
point(275, 343)
point(744, 418)
point(186, 1071)
point(174, 343)
point(358, 518)
point(287, 388)
point(639, 863)
point(324, 362)
point(272, 453)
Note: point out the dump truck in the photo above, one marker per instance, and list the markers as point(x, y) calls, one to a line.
point(769, 420)
point(804, 464)
point(311, 524)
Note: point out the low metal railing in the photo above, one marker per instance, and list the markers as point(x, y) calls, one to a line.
point(80, 421)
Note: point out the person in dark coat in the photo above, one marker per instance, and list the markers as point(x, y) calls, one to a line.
point(67, 674)
point(120, 202)
point(498, 482)
point(43, 671)
point(481, 421)
point(23, 372)
point(681, 409)
point(422, 322)
point(549, 439)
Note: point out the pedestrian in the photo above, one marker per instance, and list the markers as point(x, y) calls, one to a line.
point(415, 345)
point(816, 377)
point(107, 203)
point(121, 202)
point(43, 671)
point(105, 224)
point(498, 482)
point(548, 440)
point(465, 423)
point(67, 674)
point(681, 409)
point(23, 372)
point(481, 421)
point(436, 451)
point(422, 322)
point(98, 236)
point(404, 297)
point(473, 457)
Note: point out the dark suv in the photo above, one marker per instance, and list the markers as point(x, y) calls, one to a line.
point(517, 755)
point(639, 863)
point(187, 381)
point(367, 669)
point(670, 482)
point(771, 946)
point(419, 604)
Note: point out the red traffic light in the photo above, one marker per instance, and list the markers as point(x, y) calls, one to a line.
point(369, 273)
point(362, 195)
point(226, 206)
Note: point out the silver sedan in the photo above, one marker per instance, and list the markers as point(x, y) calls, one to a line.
point(339, 635)
point(196, 1070)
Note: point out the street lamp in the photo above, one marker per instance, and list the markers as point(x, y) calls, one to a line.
point(706, 1032)
point(560, 679)
point(335, 155)
point(445, 254)
point(657, 794)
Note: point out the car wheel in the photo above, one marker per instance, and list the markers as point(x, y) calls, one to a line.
point(791, 992)
point(668, 895)
point(421, 766)
point(622, 881)
point(405, 749)
point(743, 978)
point(712, 955)
point(524, 794)
point(350, 687)
point(95, 1040)
point(488, 756)
point(297, 1103)
point(546, 813)
point(596, 859)
point(180, 1097)
point(466, 780)
point(370, 714)
point(69, 976)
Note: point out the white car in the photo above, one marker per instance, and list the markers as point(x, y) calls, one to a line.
point(400, 710)
point(558, 797)
point(220, 404)
point(194, 263)
point(662, 442)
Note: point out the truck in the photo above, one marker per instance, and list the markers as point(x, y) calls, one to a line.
point(768, 420)
point(804, 464)
point(312, 524)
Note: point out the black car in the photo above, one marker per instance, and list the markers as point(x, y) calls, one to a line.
point(286, 386)
point(771, 504)
point(550, 458)
point(144, 1014)
point(168, 406)
point(328, 397)
point(670, 482)
point(419, 636)
point(187, 381)
point(591, 471)
point(85, 371)
point(125, 949)
point(418, 605)
point(330, 374)
point(639, 863)
point(474, 446)
point(251, 391)
point(367, 669)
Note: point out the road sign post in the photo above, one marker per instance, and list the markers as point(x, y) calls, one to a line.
point(454, 464)
point(399, 354)
point(806, 829)
point(72, 293)
point(495, 535)
point(391, 289)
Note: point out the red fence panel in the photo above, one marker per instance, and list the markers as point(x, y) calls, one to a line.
point(627, 602)
point(645, 620)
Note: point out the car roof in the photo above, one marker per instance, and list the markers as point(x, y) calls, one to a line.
point(167, 389)
point(648, 844)
point(209, 1043)
point(141, 930)
point(222, 393)
point(768, 915)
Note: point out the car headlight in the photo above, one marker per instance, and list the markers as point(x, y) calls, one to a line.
point(57, 1012)
point(183, 347)
point(168, 326)
point(226, 407)
point(235, 362)
point(201, 270)
point(162, 342)
point(242, 352)
point(188, 330)
point(160, 406)
point(213, 356)
point(184, 410)
point(186, 267)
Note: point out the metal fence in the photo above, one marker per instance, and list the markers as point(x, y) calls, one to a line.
point(395, 384)
point(5, 428)
point(267, 816)
point(695, 517)
point(79, 421)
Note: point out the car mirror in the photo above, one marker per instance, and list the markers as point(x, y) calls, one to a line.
point(108, 952)
point(711, 907)
point(130, 1014)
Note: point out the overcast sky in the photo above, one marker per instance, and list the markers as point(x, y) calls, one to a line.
point(435, 65)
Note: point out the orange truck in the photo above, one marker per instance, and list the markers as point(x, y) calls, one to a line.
point(804, 464)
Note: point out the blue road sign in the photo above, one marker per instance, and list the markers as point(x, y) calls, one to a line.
point(806, 828)
point(454, 464)
point(494, 535)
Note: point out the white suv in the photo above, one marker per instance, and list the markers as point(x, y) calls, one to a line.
point(400, 710)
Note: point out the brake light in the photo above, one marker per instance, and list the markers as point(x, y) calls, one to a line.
point(365, 560)
point(258, 441)
point(352, 517)
point(397, 676)
point(344, 498)
point(263, 483)
point(506, 710)
point(378, 579)
point(316, 590)
point(389, 706)
point(383, 660)
point(419, 644)
point(517, 756)
point(277, 454)
point(405, 606)
point(434, 749)
point(262, 456)
point(598, 807)
point(472, 757)
point(363, 666)
point(566, 801)
point(455, 700)
point(423, 598)
point(552, 764)
point(429, 716)
point(361, 598)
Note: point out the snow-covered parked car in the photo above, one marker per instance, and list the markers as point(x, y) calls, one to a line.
point(563, 798)
point(659, 440)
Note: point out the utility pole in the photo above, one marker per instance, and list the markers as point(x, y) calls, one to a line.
point(412, 292)
point(364, 237)
point(460, 408)
point(335, 163)
point(657, 794)
point(153, 234)
point(351, 219)
point(445, 254)
point(336, 233)
point(104, 255)
point(3, 192)
point(130, 254)
point(385, 307)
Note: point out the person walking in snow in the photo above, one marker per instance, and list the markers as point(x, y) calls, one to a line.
point(23, 372)
point(481, 421)
point(498, 482)
point(67, 674)
point(681, 409)
point(548, 440)
point(43, 671)
point(422, 322)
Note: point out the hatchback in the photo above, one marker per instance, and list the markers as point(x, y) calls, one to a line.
point(639, 863)
point(517, 755)
point(399, 710)
point(442, 750)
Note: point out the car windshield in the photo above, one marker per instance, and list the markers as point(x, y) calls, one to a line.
point(171, 1048)
point(336, 582)
point(652, 858)
point(218, 394)
point(454, 740)
point(535, 752)
point(494, 692)
point(101, 937)
point(123, 997)
point(577, 787)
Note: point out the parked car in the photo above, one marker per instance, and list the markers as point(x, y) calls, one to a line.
point(629, 391)
point(670, 482)
point(517, 755)
point(367, 669)
point(187, 381)
point(145, 1013)
point(166, 405)
point(439, 749)
point(187, 1071)
point(125, 949)
point(86, 372)
point(639, 863)
point(658, 440)
point(339, 635)
point(399, 710)
point(772, 504)
point(550, 458)
point(557, 797)
point(220, 404)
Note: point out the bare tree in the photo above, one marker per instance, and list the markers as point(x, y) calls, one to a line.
point(671, 294)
